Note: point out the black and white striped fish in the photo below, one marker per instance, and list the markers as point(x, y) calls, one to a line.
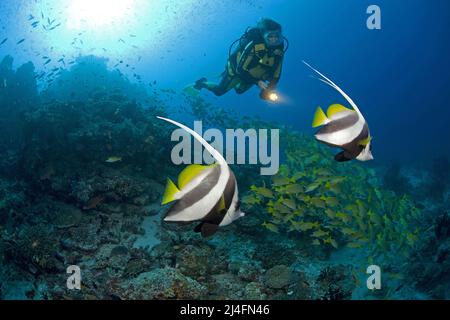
point(204, 193)
point(343, 128)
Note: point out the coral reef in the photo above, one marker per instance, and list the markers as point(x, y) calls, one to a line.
point(12, 201)
point(18, 94)
point(335, 283)
point(429, 264)
point(68, 204)
point(82, 186)
point(166, 283)
point(278, 277)
point(335, 206)
point(34, 249)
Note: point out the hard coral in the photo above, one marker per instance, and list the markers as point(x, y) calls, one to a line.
point(166, 283)
point(34, 249)
point(336, 283)
point(279, 277)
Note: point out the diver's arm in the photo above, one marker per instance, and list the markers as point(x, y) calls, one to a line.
point(263, 85)
point(245, 59)
point(273, 84)
point(276, 75)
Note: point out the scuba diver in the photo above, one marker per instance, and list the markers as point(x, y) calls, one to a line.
point(257, 60)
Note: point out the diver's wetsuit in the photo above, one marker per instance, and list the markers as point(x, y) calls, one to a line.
point(248, 65)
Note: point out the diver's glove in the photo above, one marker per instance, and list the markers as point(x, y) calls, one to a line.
point(267, 91)
point(263, 85)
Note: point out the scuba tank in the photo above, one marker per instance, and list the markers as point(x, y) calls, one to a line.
point(250, 34)
point(253, 34)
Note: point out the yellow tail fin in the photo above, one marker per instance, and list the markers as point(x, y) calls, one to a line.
point(169, 193)
point(320, 118)
point(191, 91)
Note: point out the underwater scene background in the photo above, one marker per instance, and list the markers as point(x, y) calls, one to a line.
point(85, 160)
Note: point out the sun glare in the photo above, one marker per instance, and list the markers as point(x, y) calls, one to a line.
point(97, 13)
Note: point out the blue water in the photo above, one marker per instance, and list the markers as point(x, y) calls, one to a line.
point(397, 75)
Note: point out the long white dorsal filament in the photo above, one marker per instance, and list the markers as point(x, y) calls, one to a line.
point(219, 158)
point(336, 87)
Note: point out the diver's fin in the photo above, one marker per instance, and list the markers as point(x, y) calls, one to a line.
point(336, 108)
point(169, 193)
point(191, 91)
point(189, 173)
point(365, 142)
point(342, 156)
point(206, 229)
point(320, 118)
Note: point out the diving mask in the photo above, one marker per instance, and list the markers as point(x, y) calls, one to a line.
point(273, 38)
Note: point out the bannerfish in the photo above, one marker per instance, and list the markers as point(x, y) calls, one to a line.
point(113, 159)
point(208, 194)
point(343, 127)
